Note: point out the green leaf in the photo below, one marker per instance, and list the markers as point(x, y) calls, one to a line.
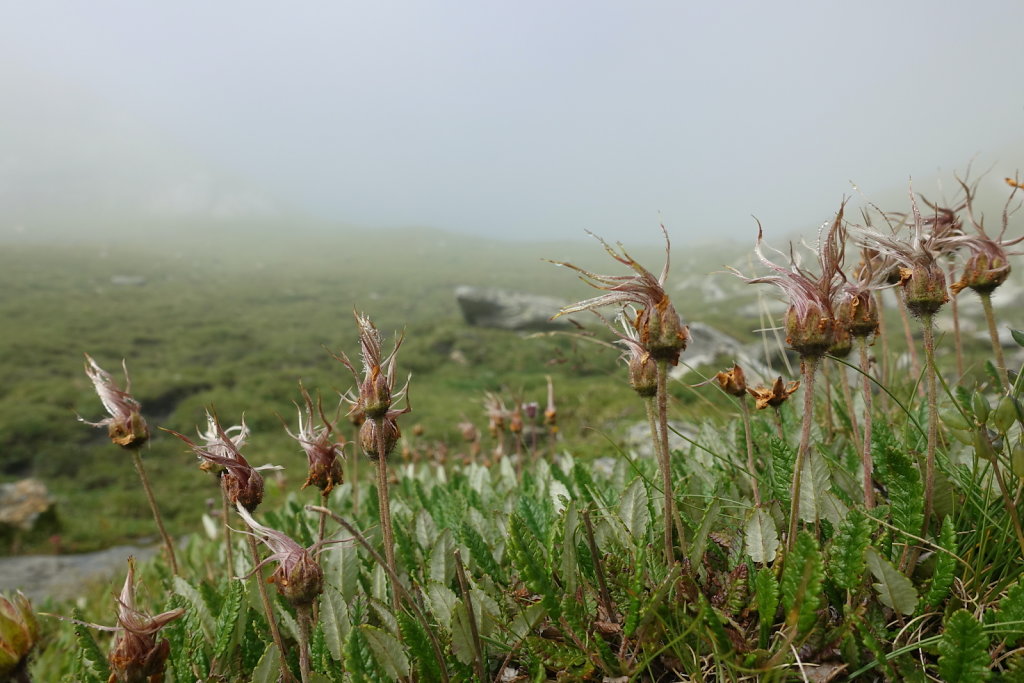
point(442, 561)
point(766, 598)
point(1018, 336)
point(199, 607)
point(802, 577)
point(228, 620)
point(894, 589)
point(782, 460)
point(569, 566)
point(442, 601)
point(814, 486)
point(945, 565)
point(1010, 615)
point(633, 510)
point(963, 650)
point(762, 538)
point(462, 636)
point(420, 651)
point(846, 561)
point(269, 667)
point(90, 650)
point(387, 651)
point(531, 561)
point(902, 479)
point(334, 619)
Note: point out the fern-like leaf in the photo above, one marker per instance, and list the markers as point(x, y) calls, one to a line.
point(228, 619)
point(1009, 618)
point(945, 565)
point(90, 650)
point(902, 479)
point(766, 599)
point(846, 557)
point(802, 579)
point(963, 650)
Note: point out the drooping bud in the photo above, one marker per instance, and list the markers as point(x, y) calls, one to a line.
point(733, 382)
point(858, 313)
point(662, 332)
point(299, 578)
point(370, 437)
point(983, 273)
point(643, 374)
point(125, 425)
point(924, 288)
point(247, 489)
point(810, 334)
point(19, 632)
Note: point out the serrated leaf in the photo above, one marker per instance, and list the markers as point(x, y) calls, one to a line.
point(894, 589)
point(462, 636)
point(802, 578)
point(442, 601)
point(1011, 614)
point(766, 598)
point(633, 510)
point(387, 651)
point(426, 530)
point(814, 486)
point(945, 564)
point(199, 606)
point(569, 566)
point(1018, 336)
point(846, 560)
point(91, 652)
point(268, 668)
point(762, 538)
point(442, 562)
point(334, 619)
point(228, 620)
point(963, 650)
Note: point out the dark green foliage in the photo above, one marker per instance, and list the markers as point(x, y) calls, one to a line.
point(783, 457)
point(802, 578)
point(89, 650)
point(1009, 617)
point(846, 555)
point(963, 650)
point(945, 565)
point(530, 560)
point(766, 600)
point(479, 551)
point(421, 655)
point(901, 476)
point(227, 619)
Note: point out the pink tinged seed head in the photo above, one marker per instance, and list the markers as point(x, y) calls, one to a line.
point(298, 576)
point(323, 453)
point(125, 424)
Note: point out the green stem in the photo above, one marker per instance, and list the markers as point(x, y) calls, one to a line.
point(865, 455)
point(168, 544)
point(993, 335)
point(808, 367)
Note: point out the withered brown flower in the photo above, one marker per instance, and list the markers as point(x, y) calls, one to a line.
point(322, 451)
point(733, 382)
point(125, 426)
point(773, 396)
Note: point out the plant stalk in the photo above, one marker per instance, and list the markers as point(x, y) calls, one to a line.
point(927, 321)
point(305, 619)
point(957, 342)
point(745, 411)
point(225, 508)
point(808, 368)
point(384, 505)
point(865, 455)
point(844, 385)
point(168, 544)
point(993, 335)
point(663, 460)
point(467, 600)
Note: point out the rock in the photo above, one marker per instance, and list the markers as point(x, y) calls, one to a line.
point(23, 502)
point(509, 310)
point(63, 577)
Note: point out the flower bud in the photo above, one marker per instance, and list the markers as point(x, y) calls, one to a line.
point(643, 374)
point(858, 314)
point(375, 395)
point(952, 418)
point(924, 288)
point(19, 633)
point(983, 273)
point(299, 579)
point(324, 474)
point(245, 490)
point(1005, 413)
point(1017, 460)
point(843, 343)
point(370, 437)
point(666, 337)
point(129, 433)
point(811, 334)
point(981, 408)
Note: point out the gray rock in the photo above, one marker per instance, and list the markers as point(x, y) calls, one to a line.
point(714, 349)
point(23, 502)
point(63, 577)
point(508, 310)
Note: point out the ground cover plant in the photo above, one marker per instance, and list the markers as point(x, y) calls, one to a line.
point(825, 535)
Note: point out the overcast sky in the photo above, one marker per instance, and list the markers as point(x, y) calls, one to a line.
point(527, 118)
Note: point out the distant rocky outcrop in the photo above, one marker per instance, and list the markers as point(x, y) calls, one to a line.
point(23, 503)
point(710, 347)
point(507, 310)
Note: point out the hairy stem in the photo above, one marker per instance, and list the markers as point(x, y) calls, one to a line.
point(225, 507)
point(275, 632)
point(168, 544)
point(384, 505)
point(808, 367)
point(865, 455)
point(957, 343)
point(745, 411)
point(666, 469)
point(993, 335)
point(933, 418)
point(844, 385)
point(915, 362)
point(305, 619)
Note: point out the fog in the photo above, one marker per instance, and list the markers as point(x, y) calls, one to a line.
point(526, 120)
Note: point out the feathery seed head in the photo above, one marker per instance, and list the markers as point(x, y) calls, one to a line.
point(125, 425)
point(298, 577)
point(322, 451)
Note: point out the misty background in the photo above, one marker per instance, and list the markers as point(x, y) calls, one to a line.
point(527, 120)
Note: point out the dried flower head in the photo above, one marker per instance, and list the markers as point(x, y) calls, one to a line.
point(242, 481)
point(733, 382)
point(137, 656)
point(125, 425)
point(810, 318)
point(922, 278)
point(470, 433)
point(322, 451)
point(496, 412)
point(298, 577)
point(773, 396)
point(660, 329)
point(19, 633)
point(988, 265)
point(376, 388)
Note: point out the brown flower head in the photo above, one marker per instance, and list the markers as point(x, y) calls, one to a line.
point(733, 382)
point(922, 279)
point(298, 577)
point(988, 265)
point(810, 318)
point(376, 387)
point(137, 656)
point(242, 481)
point(496, 412)
point(773, 396)
point(375, 435)
point(19, 633)
point(125, 425)
point(661, 331)
point(322, 451)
